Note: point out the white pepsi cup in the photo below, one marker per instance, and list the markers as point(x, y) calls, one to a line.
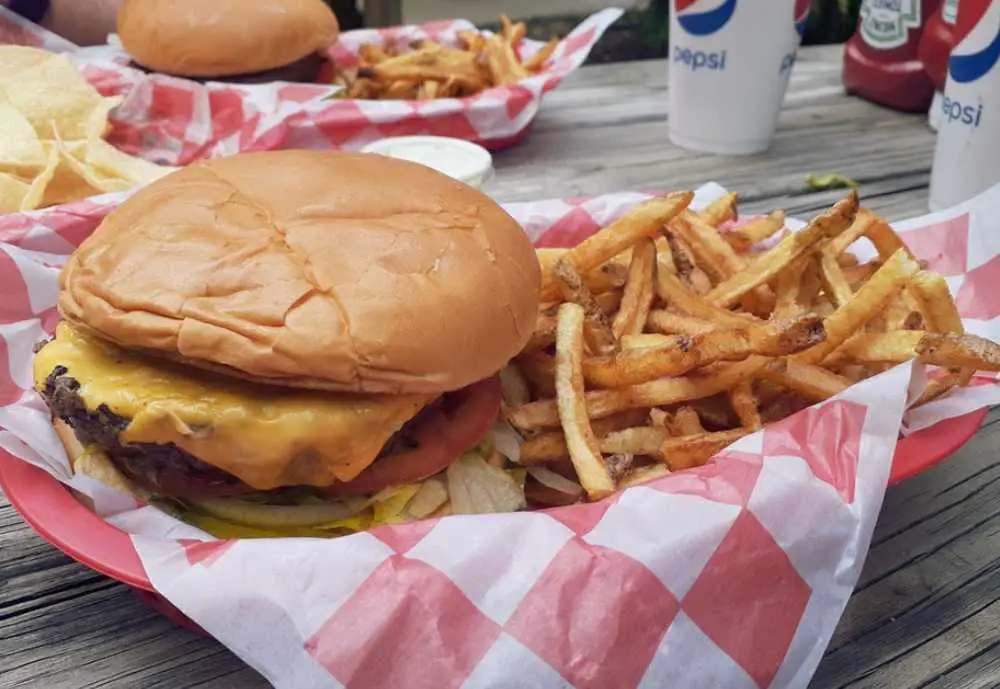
point(967, 154)
point(729, 66)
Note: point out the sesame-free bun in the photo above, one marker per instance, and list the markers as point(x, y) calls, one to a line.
point(218, 38)
point(316, 269)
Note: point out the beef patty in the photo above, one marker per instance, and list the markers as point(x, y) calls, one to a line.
point(162, 469)
point(306, 70)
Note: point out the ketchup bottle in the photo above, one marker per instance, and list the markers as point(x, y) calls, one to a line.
point(935, 48)
point(881, 62)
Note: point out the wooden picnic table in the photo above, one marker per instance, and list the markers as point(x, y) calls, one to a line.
point(927, 609)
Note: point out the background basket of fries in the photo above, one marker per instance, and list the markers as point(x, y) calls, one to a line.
point(719, 399)
point(443, 78)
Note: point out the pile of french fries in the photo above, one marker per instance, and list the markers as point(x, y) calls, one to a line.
point(430, 70)
point(662, 338)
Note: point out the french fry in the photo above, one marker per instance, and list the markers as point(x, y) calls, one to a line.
point(744, 404)
point(538, 60)
point(581, 442)
point(955, 350)
point(550, 446)
point(682, 353)
point(770, 264)
point(838, 290)
point(862, 221)
point(637, 299)
point(502, 63)
point(670, 323)
point(813, 382)
point(639, 475)
point(934, 300)
point(723, 209)
point(686, 269)
point(886, 241)
point(604, 278)
point(860, 273)
point(689, 451)
point(673, 292)
point(786, 289)
point(951, 350)
point(750, 234)
point(862, 306)
point(645, 341)
point(600, 337)
point(645, 220)
point(718, 258)
point(711, 251)
point(937, 388)
point(641, 440)
point(657, 393)
point(891, 347)
point(609, 301)
point(686, 421)
point(811, 284)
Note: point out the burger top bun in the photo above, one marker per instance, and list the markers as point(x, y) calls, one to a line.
point(313, 269)
point(216, 38)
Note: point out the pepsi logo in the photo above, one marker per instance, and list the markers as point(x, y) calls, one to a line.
point(978, 47)
point(697, 19)
point(801, 16)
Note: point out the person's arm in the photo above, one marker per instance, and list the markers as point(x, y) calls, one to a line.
point(84, 22)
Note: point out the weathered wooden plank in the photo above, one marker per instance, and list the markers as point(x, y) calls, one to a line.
point(931, 577)
point(971, 640)
point(981, 671)
point(63, 626)
point(605, 130)
point(603, 159)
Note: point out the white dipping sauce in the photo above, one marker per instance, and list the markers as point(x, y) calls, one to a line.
point(462, 160)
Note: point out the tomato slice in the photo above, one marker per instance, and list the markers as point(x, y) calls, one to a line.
point(463, 418)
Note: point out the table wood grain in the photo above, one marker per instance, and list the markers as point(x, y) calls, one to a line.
point(926, 612)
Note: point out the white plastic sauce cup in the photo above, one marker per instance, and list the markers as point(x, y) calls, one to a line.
point(462, 160)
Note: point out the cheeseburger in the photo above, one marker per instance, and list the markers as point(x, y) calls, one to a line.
point(228, 40)
point(284, 341)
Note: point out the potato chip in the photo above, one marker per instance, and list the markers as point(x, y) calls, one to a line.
point(12, 193)
point(38, 185)
point(49, 91)
point(53, 123)
point(112, 162)
point(98, 126)
point(74, 154)
point(66, 185)
point(19, 145)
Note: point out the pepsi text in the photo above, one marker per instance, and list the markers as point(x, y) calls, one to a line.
point(955, 111)
point(699, 59)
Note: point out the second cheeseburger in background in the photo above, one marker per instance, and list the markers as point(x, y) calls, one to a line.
point(293, 343)
point(229, 40)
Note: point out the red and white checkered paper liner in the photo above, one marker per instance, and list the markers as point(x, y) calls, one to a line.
point(733, 574)
point(175, 121)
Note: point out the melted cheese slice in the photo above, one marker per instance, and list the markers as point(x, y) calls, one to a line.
point(266, 436)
